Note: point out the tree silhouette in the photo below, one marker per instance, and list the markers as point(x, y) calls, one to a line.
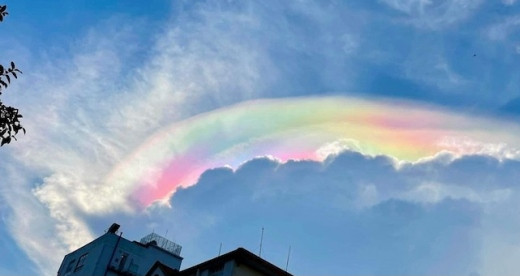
point(9, 117)
point(3, 12)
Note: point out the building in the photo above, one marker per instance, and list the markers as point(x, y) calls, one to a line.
point(111, 254)
point(159, 269)
point(239, 262)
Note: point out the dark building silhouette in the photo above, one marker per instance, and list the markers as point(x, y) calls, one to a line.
point(239, 262)
point(111, 254)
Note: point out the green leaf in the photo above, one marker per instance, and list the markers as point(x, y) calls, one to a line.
point(12, 65)
point(8, 78)
point(1, 70)
point(14, 74)
point(2, 8)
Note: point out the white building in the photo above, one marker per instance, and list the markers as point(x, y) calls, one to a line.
point(111, 254)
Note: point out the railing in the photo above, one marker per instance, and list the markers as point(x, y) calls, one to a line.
point(163, 243)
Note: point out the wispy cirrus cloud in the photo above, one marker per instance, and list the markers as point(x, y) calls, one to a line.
point(509, 2)
point(89, 110)
point(91, 103)
point(434, 14)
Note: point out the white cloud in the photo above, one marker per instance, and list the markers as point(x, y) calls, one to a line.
point(501, 31)
point(85, 114)
point(65, 148)
point(350, 43)
point(466, 145)
point(435, 14)
point(431, 192)
point(408, 6)
point(337, 147)
point(427, 211)
point(428, 64)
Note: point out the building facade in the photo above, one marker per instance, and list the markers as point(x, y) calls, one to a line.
point(111, 254)
point(239, 262)
point(153, 255)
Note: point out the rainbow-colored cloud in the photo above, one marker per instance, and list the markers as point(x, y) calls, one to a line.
point(304, 128)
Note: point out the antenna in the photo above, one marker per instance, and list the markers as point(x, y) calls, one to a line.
point(261, 241)
point(220, 249)
point(165, 238)
point(288, 256)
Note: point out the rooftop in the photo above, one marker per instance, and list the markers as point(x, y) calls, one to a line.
point(241, 256)
point(163, 243)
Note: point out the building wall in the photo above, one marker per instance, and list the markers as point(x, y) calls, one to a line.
point(128, 257)
point(138, 259)
point(91, 259)
point(225, 269)
point(229, 268)
point(243, 270)
point(157, 272)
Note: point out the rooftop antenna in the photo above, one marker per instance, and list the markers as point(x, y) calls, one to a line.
point(261, 241)
point(220, 248)
point(288, 256)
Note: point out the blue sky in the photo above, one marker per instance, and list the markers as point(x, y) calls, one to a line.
point(101, 78)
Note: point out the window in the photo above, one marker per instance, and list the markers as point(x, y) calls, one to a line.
point(70, 266)
point(81, 262)
point(124, 257)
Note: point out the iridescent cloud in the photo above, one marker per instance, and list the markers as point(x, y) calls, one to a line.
point(303, 128)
